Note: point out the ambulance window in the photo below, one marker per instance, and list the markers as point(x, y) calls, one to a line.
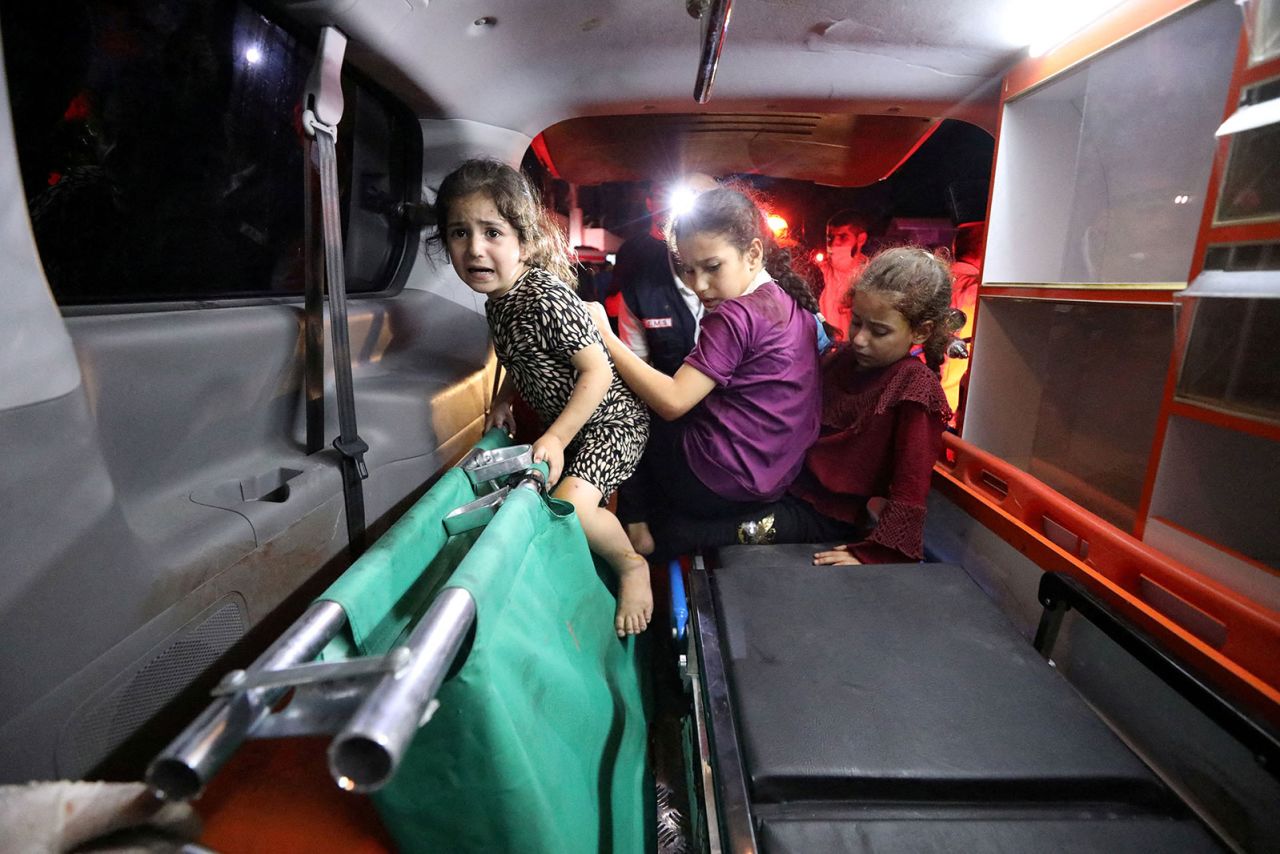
point(162, 153)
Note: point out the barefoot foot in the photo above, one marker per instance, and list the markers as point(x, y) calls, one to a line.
point(635, 598)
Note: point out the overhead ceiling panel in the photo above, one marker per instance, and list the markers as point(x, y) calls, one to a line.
point(833, 149)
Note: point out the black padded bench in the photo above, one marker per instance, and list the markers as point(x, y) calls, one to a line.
point(894, 708)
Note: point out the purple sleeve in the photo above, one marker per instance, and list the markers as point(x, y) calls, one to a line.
point(722, 342)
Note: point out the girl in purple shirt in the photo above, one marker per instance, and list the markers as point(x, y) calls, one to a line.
point(745, 404)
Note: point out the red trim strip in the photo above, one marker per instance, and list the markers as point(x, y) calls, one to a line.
point(1259, 73)
point(539, 146)
point(1245, 663)
point(1253, 232)
point(1226, 420)
point(1079, 294)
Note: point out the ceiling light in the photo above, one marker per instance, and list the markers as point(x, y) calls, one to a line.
point(1053, 23)
point(682, 198)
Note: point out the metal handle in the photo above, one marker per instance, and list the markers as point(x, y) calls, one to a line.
point(184, 767)
point(365, 754)
point(715, 22)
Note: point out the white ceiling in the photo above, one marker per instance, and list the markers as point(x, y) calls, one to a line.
point(548, 60)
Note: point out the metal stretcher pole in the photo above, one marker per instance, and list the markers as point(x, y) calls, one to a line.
point(365, 754)
point(191, 760)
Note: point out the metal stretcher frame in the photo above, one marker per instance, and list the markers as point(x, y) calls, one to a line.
point(374, 704)
point(726, 801)
point(1060, 593)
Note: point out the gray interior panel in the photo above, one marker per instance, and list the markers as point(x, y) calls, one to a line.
point(36, 362)
point(165, 506)
point(176, 476)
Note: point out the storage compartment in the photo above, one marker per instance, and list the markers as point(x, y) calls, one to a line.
point(1070, 392)
point(1251, 186)
point(1230, 361)
point(1092, 185)
point(1219, 485)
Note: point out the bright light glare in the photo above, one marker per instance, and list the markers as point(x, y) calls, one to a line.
point(253, 55)
point(682, 200)
point(1054, 23)
point(818, 257)
point(777, 225)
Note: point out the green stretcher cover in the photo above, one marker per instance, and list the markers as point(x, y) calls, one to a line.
point(540, 740)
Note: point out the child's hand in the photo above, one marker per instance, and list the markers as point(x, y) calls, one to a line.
point(839, 556)
point(550, 449)
point(501, 416)
point(601, 318)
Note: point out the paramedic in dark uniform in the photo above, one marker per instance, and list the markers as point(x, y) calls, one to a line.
point(660, 316)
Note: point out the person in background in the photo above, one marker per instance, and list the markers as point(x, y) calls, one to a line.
point(659, 315)
point(966, 275)
point(658, 321)
point(841, 264)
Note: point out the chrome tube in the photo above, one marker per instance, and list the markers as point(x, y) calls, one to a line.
point(183, 768)
point(364, 756)
point(715, 23)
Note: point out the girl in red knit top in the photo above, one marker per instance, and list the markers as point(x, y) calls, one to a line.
point(883, 414)
point(883, 410)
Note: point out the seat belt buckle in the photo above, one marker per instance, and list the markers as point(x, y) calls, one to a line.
point(354, 449)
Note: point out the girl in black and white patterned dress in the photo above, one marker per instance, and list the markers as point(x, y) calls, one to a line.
point(503, 245)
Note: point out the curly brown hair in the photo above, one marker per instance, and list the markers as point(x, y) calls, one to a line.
point(918, 284)
point(516, 199)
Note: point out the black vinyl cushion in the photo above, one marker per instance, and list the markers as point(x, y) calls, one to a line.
point(947, 836)
point(902, 682)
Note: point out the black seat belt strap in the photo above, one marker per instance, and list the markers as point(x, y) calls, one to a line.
point(313, 308)
point(320, 118)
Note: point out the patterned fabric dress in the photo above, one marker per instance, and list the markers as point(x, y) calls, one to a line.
point(537, 327)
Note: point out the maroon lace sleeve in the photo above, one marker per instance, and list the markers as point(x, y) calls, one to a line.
point(917, 441)
point(897, 538)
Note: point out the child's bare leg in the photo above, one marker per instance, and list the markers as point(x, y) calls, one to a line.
point(641, 537)
point(607, 539)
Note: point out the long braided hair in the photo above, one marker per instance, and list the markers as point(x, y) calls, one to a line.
point(918, 284)
point(732, 213)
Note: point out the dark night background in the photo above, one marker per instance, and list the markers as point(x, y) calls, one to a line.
point(946, 178)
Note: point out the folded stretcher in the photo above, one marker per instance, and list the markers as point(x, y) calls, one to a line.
point(467, 669)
